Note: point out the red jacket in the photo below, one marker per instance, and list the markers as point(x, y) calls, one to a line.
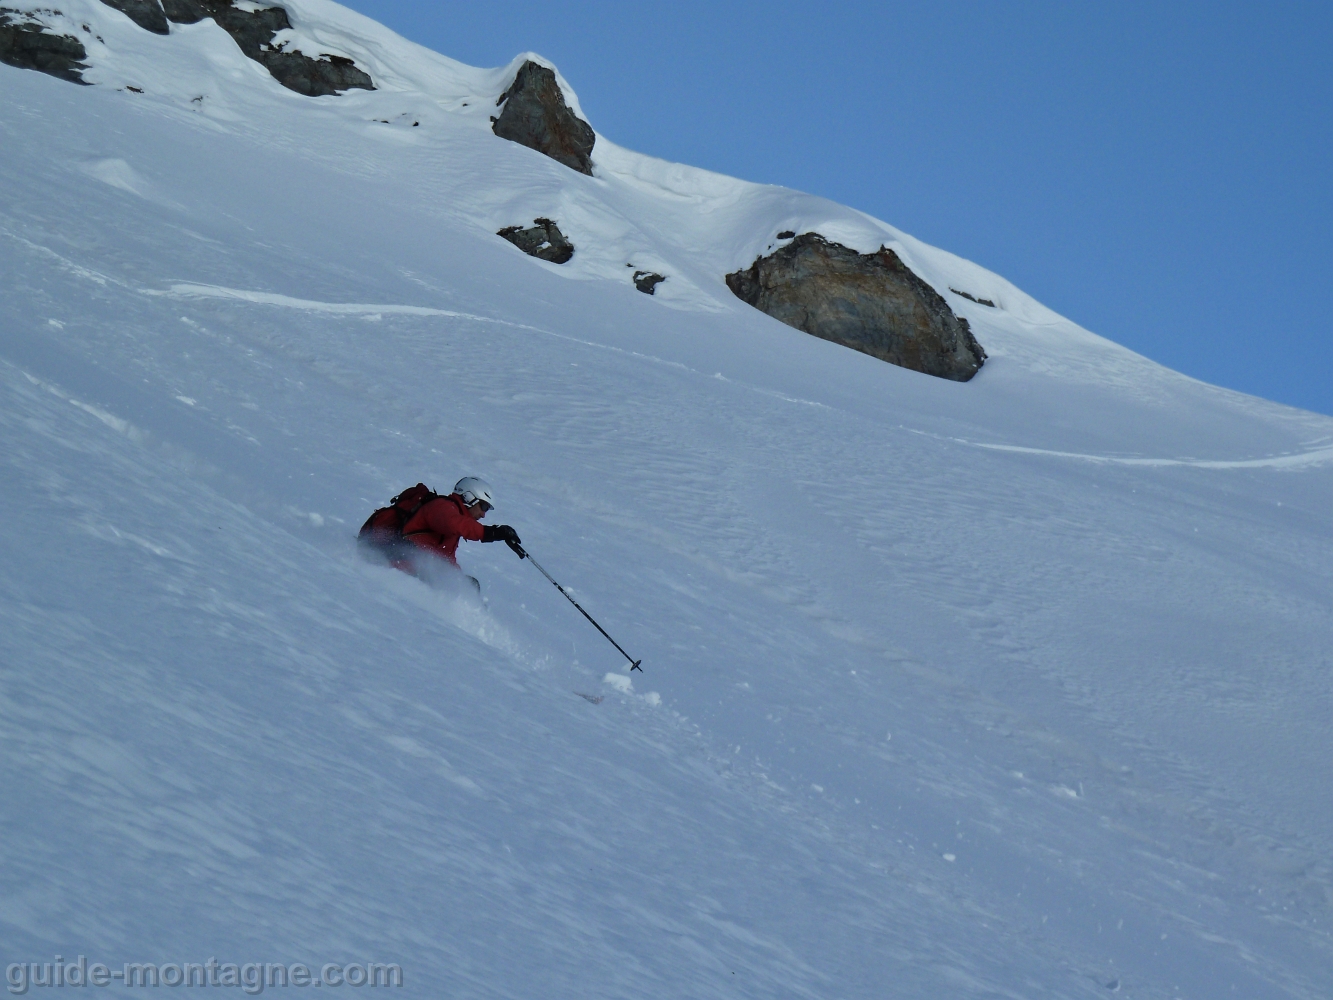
point(439, 524)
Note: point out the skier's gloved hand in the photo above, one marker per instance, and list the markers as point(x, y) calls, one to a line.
point(500, 533)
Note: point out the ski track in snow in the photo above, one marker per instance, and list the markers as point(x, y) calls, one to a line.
point(1318, 456)
point(924, 712)
point(186, 290)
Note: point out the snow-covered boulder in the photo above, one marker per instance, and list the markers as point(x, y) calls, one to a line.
point(535, 115)
point(870, 302)
point(254, 29)
point(647, 281)
point(38, 38)
point(26, 43)
point(543, 240)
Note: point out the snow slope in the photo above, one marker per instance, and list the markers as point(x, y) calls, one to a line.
point(1015, 688)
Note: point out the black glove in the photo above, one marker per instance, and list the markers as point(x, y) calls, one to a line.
point(499, 533)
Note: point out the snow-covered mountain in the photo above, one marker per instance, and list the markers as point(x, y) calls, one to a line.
point(1016, 687)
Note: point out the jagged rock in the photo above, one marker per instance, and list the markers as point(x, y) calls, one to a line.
point(315, 77)
point(253, 31)
point(870, 302)
point(786, 234)
point(147, 14)
point(646, 281)
point(25, 44)
point(535, 115)
point(542, 240)
point(969, 295)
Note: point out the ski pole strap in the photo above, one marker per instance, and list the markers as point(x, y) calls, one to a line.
point(633, 663)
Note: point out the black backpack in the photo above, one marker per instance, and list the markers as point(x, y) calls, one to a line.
point(383, 530)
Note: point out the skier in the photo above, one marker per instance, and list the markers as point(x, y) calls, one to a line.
point(420, 519)
point(439, 524)
point(419, 531)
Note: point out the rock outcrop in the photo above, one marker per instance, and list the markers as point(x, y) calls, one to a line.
point(535, 115)
point(870, 302)
point(647, 281)
point(147, 14)
point(973, 298)
point(543, 240)
point(254, 28)
point(26, 44)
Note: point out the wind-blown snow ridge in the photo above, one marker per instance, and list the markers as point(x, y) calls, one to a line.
point(188, 290)
point(110, 419)
point(1317, 456)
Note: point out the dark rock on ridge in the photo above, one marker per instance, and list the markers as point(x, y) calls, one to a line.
point(26, 44)
point(968, 295)
point(315, 77)
point(647, 281)
point(535, 115)
point(542, 240)
point(869, 302)
point(254, 31)
point(147, 14)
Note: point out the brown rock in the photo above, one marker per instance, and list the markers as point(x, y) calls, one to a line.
point(535, 115)
point(869, 302)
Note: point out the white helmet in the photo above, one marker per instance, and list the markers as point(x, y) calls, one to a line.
point(472, 489)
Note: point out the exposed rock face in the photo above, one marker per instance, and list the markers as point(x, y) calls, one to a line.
point(647, 281)
point(969, 295)
point(543, 240)
point(870, 302)
point(147, 14)
point(535, 115)
point(25, 44)
point(315, 77)
point(254, 31)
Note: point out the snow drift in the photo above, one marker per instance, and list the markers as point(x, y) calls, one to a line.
point(1013, 688)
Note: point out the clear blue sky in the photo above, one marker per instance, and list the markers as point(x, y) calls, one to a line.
point(1159, 173)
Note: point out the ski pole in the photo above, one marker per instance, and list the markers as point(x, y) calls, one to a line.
point(522, 554)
